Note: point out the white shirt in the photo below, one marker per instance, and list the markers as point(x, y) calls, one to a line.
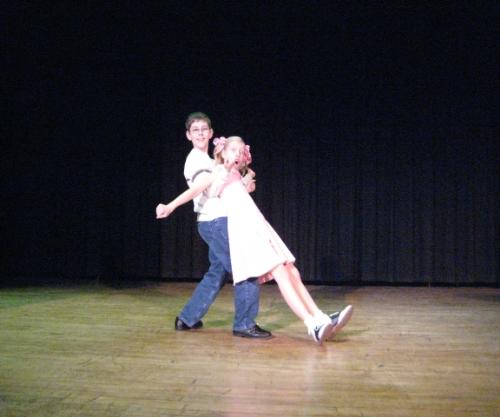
point(207, 207)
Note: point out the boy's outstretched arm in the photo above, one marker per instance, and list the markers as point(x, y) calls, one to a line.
point(164, 210)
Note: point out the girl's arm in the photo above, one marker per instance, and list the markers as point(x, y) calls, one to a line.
point(164, 210)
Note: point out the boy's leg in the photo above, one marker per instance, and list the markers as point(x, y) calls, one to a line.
point(246, 304)
point(246, 295)
point(212, 282)
point(204, 295)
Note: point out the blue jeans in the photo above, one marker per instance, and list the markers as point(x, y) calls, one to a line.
point(246, 293)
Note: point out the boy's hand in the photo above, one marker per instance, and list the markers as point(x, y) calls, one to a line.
point(249, 180)
point(163, 210)
point(250, 174)
point(250, 186)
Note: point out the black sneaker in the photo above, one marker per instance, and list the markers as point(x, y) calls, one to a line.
point(180, 325)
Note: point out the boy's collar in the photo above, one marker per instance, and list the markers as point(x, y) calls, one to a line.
point(199, 150)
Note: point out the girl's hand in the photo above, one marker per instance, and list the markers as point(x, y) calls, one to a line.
point(163, 210)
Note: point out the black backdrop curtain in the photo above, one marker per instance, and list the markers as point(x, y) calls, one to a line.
point(373, 131)
point(365, 205)
point(402, 205)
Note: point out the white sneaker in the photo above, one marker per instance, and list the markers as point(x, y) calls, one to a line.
point(321, 331)
point(339, 320)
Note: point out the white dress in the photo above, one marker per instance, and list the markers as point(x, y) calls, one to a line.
point(255, 247)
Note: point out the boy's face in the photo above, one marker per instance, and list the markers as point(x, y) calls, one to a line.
point(199, 134)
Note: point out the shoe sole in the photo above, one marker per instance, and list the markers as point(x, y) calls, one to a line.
point(252, 337)
point(180, 326)
point(344, 317)
point(326, 332)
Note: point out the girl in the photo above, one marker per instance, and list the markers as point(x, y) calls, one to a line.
point(268, 257)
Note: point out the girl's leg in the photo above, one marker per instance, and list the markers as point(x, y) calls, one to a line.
point(318, 324)
point(338, 319)
point(287, 288)
point(301, 290)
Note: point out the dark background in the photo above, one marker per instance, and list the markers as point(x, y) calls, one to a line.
point(373, 128)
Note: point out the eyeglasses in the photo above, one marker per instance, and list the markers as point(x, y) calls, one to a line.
point(202, 130)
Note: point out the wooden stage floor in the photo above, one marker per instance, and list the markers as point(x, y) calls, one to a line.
point(97, 351)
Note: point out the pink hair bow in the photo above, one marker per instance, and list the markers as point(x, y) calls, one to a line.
point(247, 156)
point(219, 144)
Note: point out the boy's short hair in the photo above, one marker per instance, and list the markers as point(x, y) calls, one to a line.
point(196, 116)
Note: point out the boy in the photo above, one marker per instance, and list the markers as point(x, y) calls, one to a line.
point(212, 227)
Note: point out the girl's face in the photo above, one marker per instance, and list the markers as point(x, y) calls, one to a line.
point(233, 154)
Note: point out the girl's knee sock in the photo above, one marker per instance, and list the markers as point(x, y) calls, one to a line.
point(322, 318)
